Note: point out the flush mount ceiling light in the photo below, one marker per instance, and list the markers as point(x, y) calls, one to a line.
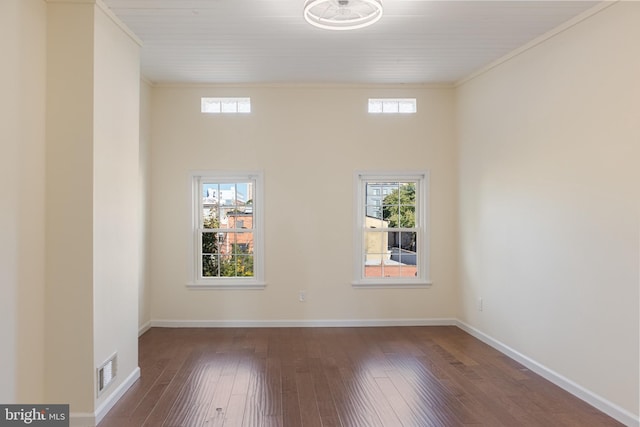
point(342, 14)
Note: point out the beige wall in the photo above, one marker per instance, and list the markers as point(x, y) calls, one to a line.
point(549, 203)
point(308, 141)
point(69, 190)
point(22, 216)
point(144, 290)
point(116, 195)
point(50, 267)
point(92, 188)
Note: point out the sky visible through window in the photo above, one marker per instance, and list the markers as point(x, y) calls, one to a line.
point(242, 188)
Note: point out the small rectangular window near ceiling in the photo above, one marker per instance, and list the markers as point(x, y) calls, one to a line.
point(225, 105)
point(392, 105)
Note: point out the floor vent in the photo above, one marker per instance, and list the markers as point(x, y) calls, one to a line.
point(107, 373)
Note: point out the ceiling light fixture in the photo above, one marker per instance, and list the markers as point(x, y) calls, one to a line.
point(342, 14)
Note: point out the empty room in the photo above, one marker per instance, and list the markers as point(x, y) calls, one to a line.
point(320, 213)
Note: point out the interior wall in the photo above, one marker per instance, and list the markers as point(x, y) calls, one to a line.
point(69, 370)
point(22, 217)
point(116, 195)
point(144, 289)
point(308, 141)
point(92, 220)
point(549, 203)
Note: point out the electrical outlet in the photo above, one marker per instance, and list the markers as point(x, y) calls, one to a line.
point(480, 304)
point(302, 296)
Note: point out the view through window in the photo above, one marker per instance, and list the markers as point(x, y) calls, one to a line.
point(227, 228)
point(391, 226)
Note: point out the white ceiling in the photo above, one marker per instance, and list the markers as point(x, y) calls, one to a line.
point(268, 41)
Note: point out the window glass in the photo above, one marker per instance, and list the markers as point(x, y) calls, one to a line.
point(393, 105)
point(391, 247)
point(227, 232)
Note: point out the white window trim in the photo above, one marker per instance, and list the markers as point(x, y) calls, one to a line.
point(195, 280)
point(422, 194)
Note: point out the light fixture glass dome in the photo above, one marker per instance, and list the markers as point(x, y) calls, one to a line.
point(342, 14)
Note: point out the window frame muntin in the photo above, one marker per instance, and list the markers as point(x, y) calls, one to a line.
point(361, 178)
point(196, 280)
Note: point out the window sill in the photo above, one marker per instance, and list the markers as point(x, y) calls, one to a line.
point(391, 285)
point(229, 286)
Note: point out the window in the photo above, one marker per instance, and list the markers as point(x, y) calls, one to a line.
point(225, 105)
point(227, 230)
point(393, 105)
point(391, 229)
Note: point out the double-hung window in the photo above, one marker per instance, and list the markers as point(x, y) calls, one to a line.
point(227, 230)
point(391, 237)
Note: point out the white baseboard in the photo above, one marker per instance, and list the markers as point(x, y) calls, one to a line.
point(337, 323)
point(113, 398)
point(86, 419)
point(609, 408)
point(144, 328)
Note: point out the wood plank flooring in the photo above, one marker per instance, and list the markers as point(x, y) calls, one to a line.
point(349, 377)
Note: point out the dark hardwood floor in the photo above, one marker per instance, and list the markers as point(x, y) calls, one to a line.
point(391, 376)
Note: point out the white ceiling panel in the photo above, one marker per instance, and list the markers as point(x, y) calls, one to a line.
point(268, 41)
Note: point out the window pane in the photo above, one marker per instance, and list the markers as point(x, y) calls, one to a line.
point(247, 220)
point(209, 205)
point(245, 193)
point(407, 217)
point(373, 270)
point(242, 243)
point(239, 219)
point(407, 106)
point(229, 106)
point(210, 105)
point(225, 242)
point(408, 270)
point(227, 195)
point(371, 221)
point(399, 207)
point(244, 265)
point(227, 266)
point(390, 214)
point(390, 106)
point(210, 264)
point(408, 241)
point(209, 243)
point(375, 106)
point(373, 211)
point(244, 105)
point(375, 241)
point(373, 189)
point(209, 217)
point(407, 192)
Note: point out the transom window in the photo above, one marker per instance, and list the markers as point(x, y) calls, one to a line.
point(227, 230)
point(391, 229)
point(225, 105)
point(392, 105)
